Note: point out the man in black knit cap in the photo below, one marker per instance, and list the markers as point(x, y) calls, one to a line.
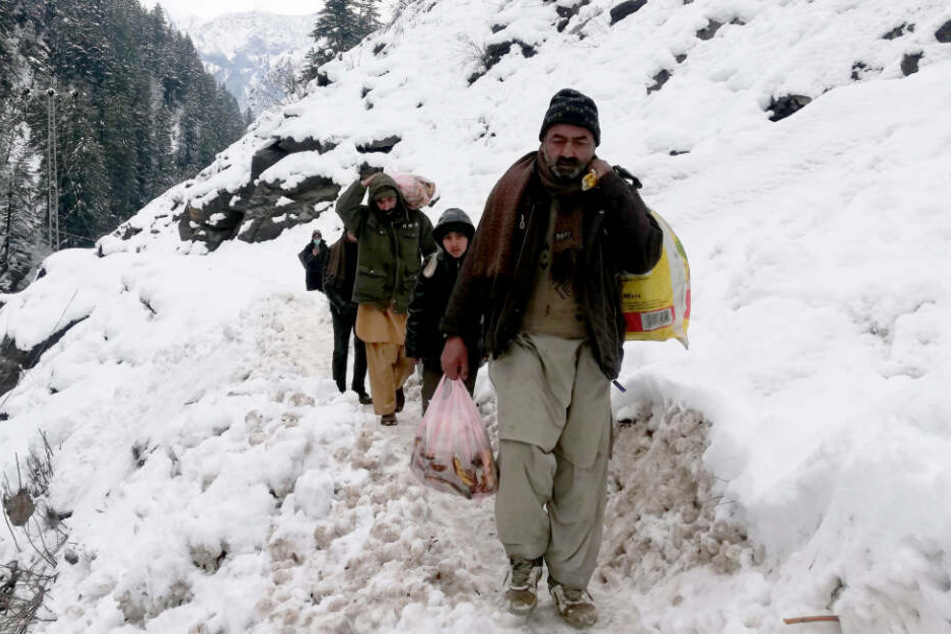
point(540, 284)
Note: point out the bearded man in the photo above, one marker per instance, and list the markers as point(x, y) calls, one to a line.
point(541, 286)
point(392, 241)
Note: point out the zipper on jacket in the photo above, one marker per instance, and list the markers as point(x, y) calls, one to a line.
point(521, 253)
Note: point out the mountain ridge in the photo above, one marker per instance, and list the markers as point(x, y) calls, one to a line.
point(243, 49)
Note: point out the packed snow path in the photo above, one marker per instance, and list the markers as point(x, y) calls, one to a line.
point(392, 555)
point(219, 482)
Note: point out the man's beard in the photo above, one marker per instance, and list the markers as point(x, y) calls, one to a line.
point(566, 170)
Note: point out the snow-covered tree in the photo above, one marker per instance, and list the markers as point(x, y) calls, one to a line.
point(340, 26)
point(21, 210)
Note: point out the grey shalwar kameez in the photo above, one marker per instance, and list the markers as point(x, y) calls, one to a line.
point(555, 426)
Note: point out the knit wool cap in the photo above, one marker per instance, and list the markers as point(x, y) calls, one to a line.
point(384, 192)
point(574, 108)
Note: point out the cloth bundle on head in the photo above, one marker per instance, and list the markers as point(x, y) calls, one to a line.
point(417, 190)
point(574, 108)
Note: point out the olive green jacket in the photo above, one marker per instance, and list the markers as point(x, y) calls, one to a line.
point(390, 245)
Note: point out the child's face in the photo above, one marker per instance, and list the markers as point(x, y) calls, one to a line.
point(455, 243)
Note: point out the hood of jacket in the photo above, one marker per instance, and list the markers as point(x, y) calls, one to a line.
point(453, 219)
point(384, 181)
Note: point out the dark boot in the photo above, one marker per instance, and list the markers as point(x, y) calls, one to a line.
point(400, 400)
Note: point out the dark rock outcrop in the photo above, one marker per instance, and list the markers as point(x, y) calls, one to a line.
point(495, 52)
point(383, 145)
point(659, 80)
point(858, 69)
point(566, 13)
point(624, 9)
point(943, 34)
point(261, 209)
point(309, 144)
point(707, 32)
point(787, 105)
point(909, 63)
point(898, 31)
point(13, 360)
point(265, 158)
point(257, 212)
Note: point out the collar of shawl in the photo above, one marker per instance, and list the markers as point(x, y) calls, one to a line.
point(491, 250)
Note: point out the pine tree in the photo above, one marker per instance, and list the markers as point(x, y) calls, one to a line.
point(21, 214)
point(368, 15)
point(85, 190)
point(135, 113)
point(6, 43)
point(337, 30)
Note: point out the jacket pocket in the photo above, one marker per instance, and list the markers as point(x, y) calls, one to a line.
point(370, 283)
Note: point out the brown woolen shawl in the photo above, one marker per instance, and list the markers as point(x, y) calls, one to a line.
point(491, 252)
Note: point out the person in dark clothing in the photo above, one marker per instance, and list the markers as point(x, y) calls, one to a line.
point(393, 240)
point(428, 302)
point(313, 257)
point(340, 271)
point(541, 283)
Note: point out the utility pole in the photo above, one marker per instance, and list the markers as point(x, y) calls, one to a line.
point(52, 175)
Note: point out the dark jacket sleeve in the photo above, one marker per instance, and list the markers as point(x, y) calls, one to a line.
point(349, 207)
point(340, 303)
point(636, 238)
point(417, 321)
point(307, 255)
point(464, 313)
point(427, 244)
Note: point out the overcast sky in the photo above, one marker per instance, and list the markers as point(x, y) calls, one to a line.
point(208, 8)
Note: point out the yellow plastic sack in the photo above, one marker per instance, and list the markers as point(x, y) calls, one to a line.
point(656, 305)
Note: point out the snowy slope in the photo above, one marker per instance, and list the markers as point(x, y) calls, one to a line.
point(242, 49)
point(793, 462)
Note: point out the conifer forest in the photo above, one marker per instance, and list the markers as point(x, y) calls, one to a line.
point(103, 106)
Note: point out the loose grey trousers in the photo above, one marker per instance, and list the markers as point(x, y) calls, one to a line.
point(555, 425)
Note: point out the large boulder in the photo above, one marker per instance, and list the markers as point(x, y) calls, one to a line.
point(943, 34)
point(261, 209)
point(13, 360)
point(626, 8)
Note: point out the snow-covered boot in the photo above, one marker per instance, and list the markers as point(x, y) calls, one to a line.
point(574, 605)
point(521, 587)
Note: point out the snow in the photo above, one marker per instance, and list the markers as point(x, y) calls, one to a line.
point(241, 50)
point(793, 462)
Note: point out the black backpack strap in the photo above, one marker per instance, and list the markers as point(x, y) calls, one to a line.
point(627, 176)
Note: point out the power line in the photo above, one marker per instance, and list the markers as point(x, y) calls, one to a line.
point(52, 189)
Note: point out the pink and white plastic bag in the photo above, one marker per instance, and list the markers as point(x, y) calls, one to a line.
point(417, 190)
point(452, 452)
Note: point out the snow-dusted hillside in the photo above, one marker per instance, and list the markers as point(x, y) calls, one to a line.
point(793, 462)
point(243, 49)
